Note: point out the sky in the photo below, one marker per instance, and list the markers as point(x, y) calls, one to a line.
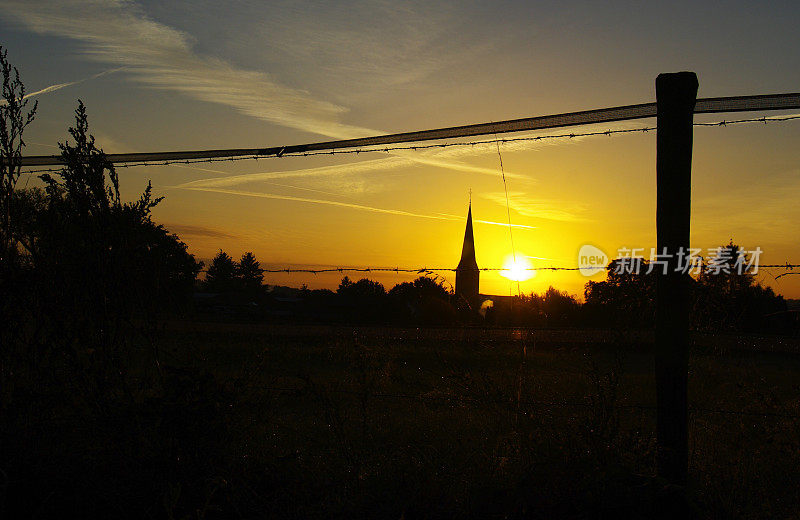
point(159, 76)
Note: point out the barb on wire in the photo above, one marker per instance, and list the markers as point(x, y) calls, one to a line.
point(421, 147)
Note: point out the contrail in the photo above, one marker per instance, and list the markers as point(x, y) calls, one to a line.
point(59, 86)
point(321, 201)
point(342, 205)
point(504, 224)
point(51, 88)
point(234, 180)
point(280, 184)
point(389, 163)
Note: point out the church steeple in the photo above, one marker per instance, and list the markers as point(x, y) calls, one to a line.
point(467, 274)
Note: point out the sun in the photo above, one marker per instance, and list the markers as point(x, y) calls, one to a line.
point(519, 270)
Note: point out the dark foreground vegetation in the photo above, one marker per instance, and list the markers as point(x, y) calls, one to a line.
point(117, 399)
point(247, 421)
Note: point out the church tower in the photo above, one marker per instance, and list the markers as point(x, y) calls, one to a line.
point(467, 274)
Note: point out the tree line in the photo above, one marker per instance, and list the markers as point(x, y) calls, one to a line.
point(727, 300)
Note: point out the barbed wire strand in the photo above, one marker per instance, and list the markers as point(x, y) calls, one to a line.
point(421, 147)
point(422, 270)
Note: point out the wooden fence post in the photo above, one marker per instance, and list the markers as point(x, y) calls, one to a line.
point(676, 94)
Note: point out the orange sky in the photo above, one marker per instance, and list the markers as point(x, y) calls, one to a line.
point(197, 75)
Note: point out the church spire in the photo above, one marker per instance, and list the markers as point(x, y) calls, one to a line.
point(467, 274)
point(468, 248)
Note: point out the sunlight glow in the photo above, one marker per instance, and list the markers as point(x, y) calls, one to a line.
point(519, 270)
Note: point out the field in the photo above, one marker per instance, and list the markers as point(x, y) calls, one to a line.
point(268, 421)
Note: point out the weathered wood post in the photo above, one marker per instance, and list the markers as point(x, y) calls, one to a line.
point(675, 95)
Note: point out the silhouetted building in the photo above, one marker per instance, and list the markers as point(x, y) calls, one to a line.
point(467, 274)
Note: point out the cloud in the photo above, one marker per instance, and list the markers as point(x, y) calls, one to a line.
point(349, 205)
point(119, 32)
point(550, 209)
point(154, 54)
point(199, 231)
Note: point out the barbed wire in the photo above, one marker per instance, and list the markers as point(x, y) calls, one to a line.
point(763, 119)
point(423, 270)
point(418, 270)
point(422, 147)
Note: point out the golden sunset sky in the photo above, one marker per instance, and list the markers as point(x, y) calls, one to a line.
point(159, 76)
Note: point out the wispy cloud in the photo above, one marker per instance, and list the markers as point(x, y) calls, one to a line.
point(349, 205)
point(119, 32)
point(201, 231)
point(550, 209)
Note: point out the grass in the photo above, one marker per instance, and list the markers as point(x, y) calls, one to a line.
point(257, 421)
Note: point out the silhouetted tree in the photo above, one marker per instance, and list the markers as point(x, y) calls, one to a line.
point(727, 296)
point(29, 208)
point(249, 273)
point(88, 236)
point(91, 265)
point(626, 298)
point(14, 118)
point(366, 300)
point(420, 288)
point(559, 307)
point(111, 250)
point(344, 285)
point(221, 275)
point(364, 288)
point(425, 301)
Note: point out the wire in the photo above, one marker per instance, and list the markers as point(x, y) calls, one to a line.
point(582, 118)
point(420, 147)
point(420, 270)
point(508, 211)
point(423, 270)
point(385, 149)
